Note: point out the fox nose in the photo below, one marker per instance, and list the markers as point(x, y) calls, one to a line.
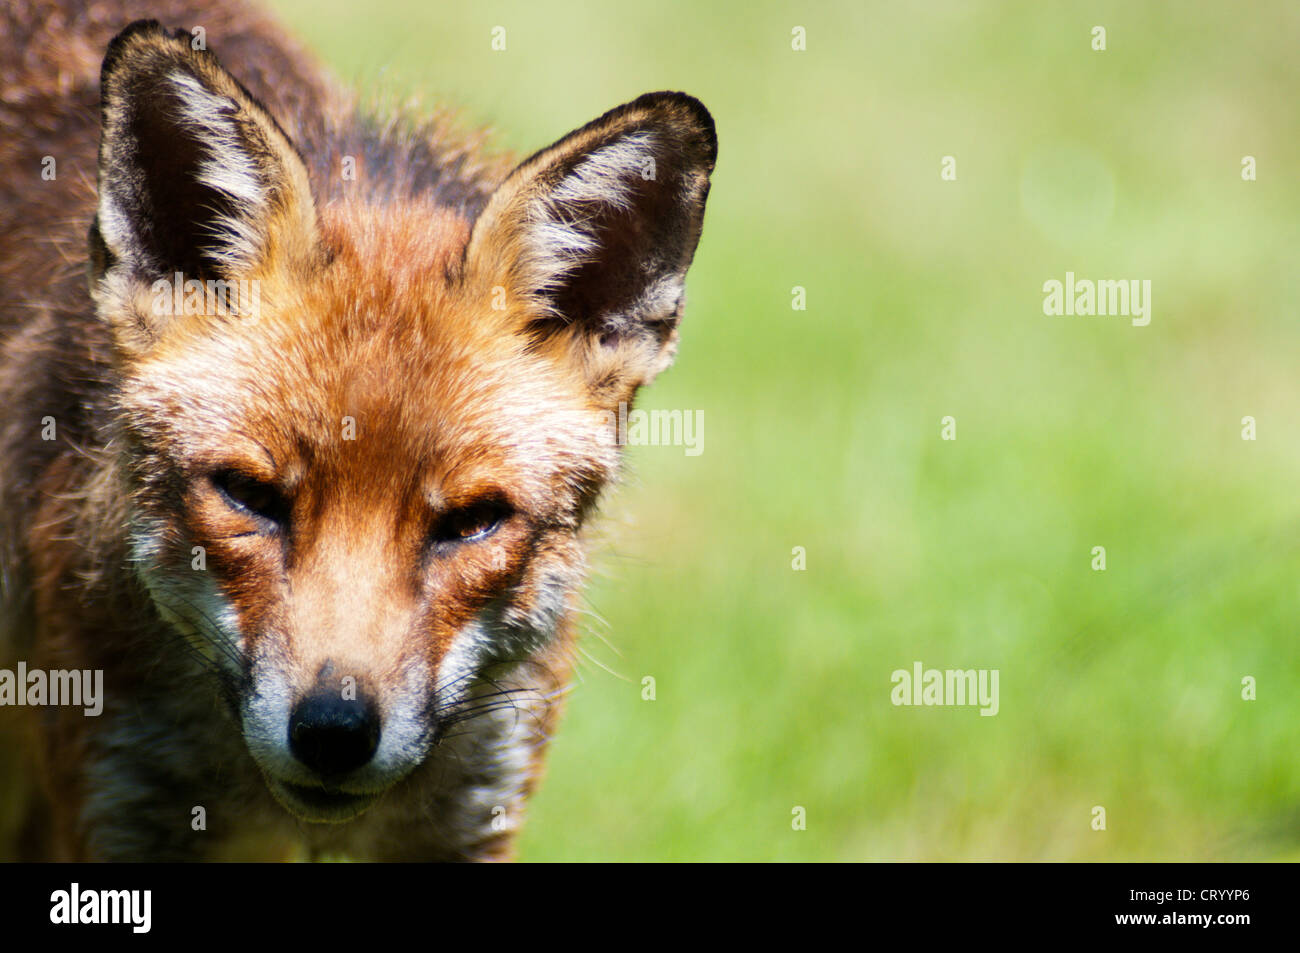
point(333, 735)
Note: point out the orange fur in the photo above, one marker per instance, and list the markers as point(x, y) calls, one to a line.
point(324, 546)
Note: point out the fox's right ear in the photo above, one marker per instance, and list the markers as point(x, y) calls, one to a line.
point(194, 175)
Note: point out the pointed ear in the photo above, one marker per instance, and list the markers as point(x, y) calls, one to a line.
point(592, 237)
point(194, 175)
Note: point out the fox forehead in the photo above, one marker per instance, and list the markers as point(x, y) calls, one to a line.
point(378, 364)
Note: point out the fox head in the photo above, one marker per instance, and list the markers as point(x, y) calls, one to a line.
point(360, 440)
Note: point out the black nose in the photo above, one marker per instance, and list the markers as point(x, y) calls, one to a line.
point(333, 735)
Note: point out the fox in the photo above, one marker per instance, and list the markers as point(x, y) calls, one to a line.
point(306, 409)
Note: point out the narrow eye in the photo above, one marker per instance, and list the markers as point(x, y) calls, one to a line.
point(250, 495)
point(469, 524)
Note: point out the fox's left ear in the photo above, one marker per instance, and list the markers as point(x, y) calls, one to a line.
point(592, 237)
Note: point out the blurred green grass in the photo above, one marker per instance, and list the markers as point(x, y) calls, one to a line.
point(1119, 689)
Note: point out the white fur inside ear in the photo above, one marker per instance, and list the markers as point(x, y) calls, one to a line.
point(559, 234)
point(228, 169)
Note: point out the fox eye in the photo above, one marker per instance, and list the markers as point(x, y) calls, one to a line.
point(252, 496)
point(469, 524)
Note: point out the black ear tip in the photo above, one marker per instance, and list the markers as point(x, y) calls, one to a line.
point(131, 31)
point(687, 109)
point(137, 32)
point(134, 27)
